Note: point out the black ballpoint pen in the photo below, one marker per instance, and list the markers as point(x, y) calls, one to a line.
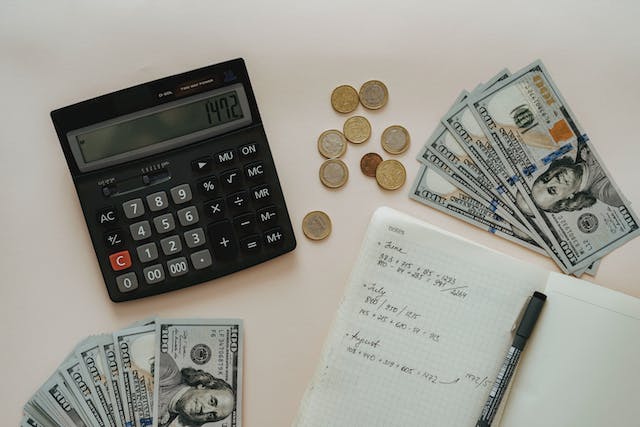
point(523, 332)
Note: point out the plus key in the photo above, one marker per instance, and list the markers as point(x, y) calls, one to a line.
point(222, 240)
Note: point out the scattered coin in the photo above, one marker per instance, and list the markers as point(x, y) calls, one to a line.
point(334, 173)
point(373, 94)
point(316, 225)
point(391, 175)
point(395, 139)
point(332, 144)
point(344, 99)
point(369, 163)
point(357, 129)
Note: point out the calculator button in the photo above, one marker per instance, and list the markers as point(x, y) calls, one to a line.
point(250, 244)
point(157, 201)
point(133, 208)
point(194, 238)
point(181, 194)
point(107, 216)
point(222, 240)
point(177, 267)
point(224, 157)
point(254, 171)
point(273, 237)
point(113, 239)
point(244, 223)
point(127, 282)
point(238, 201)
point(188, 216)
point(268, 215)
point(208, 186)
point(248, 150)
point(120, 260)
point(164, 223)
point(153, 274)
point(201, 259)
point(203, 164)
point(140, 230)
point(171, 245)
point(215, 208)
point(231, 179)
point(147, 252)
point(261, 193)
point(109, 189)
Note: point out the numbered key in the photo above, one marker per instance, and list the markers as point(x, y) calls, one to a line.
point(171, 245)
point(194, 238)
point(188, 216)
point(164, 223)
point(181, 194)
point(147, 252)
point(157, 201)
point(127, 282)
point(133, 208)
point(153, 274)
point(140, 230)
point(177, 267)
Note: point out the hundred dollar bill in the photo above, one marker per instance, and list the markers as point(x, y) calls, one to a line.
point(80, 384)
point(90, 357)
point(431, 189)
point(442, 149)
point(135, 348)
point(198, 373)
point(123, 403)
point(561, 181)
point(61, 402)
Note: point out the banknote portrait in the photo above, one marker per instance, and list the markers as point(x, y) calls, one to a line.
point(569, 185)
point(191, 397)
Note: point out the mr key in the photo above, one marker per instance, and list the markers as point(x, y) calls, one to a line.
point(176, 180)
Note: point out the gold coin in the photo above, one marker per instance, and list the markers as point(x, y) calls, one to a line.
point(373, 94)
point(316, 225)
point(357, 129)
point(369, 163)
point(332, 144)
point(395, 139)
point(391, 175)
point(344, 99)
point(334, 173)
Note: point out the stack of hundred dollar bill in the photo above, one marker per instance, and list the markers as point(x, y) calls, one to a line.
point(161, 372)
point(511, 158)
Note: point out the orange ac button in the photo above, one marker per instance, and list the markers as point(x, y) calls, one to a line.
point(120, 260)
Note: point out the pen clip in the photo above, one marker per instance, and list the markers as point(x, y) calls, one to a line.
point(518, 318)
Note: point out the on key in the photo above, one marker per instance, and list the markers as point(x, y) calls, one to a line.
point(222, 240)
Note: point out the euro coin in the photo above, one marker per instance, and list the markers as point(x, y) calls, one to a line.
point(391, 175)
point(369, 163)
point(344, 99)
point(373, 94)
point(332, 144)
point(334, 173)
point(357, 129)
point(316, 225)
point(395, 139)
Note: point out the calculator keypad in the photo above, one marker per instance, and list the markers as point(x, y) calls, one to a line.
point(225, 212)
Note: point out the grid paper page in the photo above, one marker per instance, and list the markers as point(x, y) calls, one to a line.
point(422, 330)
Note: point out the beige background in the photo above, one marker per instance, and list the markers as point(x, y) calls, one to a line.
point(56, 53)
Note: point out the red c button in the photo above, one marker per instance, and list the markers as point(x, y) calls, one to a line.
point(120, 260)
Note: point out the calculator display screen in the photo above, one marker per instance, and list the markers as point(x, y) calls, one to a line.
point(159, 128)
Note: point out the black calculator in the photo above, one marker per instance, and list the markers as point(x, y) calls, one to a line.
point(176, 180)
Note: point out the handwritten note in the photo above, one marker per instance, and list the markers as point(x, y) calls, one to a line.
point(421, 332)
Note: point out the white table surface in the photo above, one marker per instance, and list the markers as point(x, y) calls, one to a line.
point(57, 53)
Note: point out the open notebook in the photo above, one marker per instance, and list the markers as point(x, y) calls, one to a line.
point(425, 323)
